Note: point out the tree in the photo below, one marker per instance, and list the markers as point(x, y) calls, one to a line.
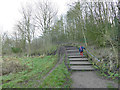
point(26, 28)
point(6, 44)
point(22, 35)
point(44, 16)
point(57, 32)
point(119, 11)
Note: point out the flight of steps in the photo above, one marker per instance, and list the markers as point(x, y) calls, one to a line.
point(78, 62)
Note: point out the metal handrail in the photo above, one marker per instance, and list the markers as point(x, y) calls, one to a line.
point(93, 56)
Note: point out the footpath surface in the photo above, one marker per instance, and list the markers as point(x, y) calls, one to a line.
point(89, 79)
point(83, 74)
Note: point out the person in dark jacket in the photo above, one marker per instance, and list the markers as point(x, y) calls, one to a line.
point(81, 50)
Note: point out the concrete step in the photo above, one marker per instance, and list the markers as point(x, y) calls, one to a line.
point(71, 48)
point(82, 68)
point(76, 56)
point(72, 51)
point(78, 59)
point(73, 54)
point(68, 46)
point(80, 63)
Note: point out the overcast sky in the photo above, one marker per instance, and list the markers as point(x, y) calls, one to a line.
point(10, 11)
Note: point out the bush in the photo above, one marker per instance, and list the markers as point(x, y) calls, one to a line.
point(16, 50)
point(12, 65)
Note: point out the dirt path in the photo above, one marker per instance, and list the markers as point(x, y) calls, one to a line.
point(89, 79)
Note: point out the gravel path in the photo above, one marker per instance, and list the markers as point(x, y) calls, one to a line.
point(89, 79)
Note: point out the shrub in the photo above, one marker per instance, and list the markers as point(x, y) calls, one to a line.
point(12, 65)
point(16, 50)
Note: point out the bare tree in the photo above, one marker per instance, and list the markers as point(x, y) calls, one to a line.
point(6, 43)
point(26, 27)
point(0, 46)
point(119, 11)
point(45, 16)
point(22, 34)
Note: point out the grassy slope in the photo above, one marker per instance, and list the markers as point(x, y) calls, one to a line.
point(59, 78)
point(38, 67)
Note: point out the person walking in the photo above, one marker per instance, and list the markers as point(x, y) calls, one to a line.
point(81, 50)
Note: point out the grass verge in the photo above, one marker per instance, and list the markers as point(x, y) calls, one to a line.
point(59, 78)
point(37, 68)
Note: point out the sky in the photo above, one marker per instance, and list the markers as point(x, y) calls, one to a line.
point(10, 11)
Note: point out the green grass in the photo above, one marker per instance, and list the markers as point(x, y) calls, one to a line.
point(59, 78)
point(111, 87)
point(37, 68)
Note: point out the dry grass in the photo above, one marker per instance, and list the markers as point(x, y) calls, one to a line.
point(106, 55)
point(12, 65)
point(42, 56)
